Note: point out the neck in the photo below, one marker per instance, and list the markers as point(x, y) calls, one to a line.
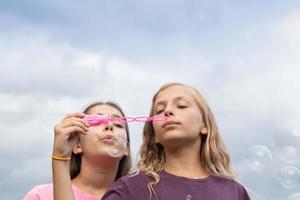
point(96, 177)
point(185, 161)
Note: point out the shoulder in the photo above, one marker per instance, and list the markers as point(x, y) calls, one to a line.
point(224, 181)
point(135, 178)
point(128, 187)
point(230, 185)
point(40, 192)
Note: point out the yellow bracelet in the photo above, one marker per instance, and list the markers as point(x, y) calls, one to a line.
point(60, 158)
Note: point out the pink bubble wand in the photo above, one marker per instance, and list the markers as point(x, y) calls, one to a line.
point(96, 119)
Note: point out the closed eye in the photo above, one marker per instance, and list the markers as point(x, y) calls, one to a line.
point(160, 111)
point(182, 107)
point(119, 125)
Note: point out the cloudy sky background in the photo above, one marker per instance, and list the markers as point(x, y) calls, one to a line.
point(243, 56)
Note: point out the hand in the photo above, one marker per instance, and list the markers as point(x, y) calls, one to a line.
point(67, 133)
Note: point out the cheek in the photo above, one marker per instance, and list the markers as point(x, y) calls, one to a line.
point(157, 126)
point(86, 139)
point(94, 130)
point(194, 121)
point(122, 134)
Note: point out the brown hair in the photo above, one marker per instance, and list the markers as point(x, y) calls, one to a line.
point(125, 162)
point(213, 153)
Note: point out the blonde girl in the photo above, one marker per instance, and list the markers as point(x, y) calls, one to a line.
point(183, 158)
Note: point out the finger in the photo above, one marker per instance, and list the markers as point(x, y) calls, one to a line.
point(81, 120)
point(74, 122)
point(84, 122)
point(74, 130)
point(76, 119)
point(74, 114)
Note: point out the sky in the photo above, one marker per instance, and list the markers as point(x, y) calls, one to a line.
point(56, 57)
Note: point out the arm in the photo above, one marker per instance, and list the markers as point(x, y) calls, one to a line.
point(244, 194)
point(66, 136)
point(62, 185)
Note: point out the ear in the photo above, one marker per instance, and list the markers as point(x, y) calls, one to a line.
point(203, 131)
point(126, 151)
point(77, 149)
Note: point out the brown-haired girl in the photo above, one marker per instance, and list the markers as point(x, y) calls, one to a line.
point(82, 169)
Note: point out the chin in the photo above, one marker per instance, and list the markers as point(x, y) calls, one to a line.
point(170, 140)
point(177, 140)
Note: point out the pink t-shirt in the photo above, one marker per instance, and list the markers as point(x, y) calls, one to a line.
point(45, 192)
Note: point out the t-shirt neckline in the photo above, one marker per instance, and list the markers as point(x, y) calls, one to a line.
point(173, 176)
point(86, 195)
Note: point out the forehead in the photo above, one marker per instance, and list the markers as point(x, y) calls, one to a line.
point(105, 109)
point(173, 92)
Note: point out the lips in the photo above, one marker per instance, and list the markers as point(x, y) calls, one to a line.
point(107, 137)
point(169, 123)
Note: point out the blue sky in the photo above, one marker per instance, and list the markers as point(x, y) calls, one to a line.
point(56, 57)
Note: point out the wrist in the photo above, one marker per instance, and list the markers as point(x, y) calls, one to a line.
point(60, 157)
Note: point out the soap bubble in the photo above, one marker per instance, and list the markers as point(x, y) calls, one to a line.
point(258, 157)
point(294, 196)
point(289, 177)
point(287, 143)
point(115, 147)
point(188, 197)
point(253, 195)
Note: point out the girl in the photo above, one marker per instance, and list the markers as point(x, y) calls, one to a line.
point(81, 167)
point(183, 158)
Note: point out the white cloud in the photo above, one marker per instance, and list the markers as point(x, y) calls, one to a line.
point(289, 31)
point(38, 65)
point(39, 166)
point(267, 79)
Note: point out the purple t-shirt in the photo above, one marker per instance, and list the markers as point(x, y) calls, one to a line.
point(134, 187)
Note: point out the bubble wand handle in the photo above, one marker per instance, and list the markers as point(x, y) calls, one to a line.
point(96, 119)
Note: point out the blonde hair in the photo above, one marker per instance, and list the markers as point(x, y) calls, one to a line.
point(213, 153)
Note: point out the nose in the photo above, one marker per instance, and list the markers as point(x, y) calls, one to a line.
point(168, 113)
point(108, 127)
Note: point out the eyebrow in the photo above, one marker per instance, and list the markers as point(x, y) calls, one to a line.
point(113, 115)
point(175, 99)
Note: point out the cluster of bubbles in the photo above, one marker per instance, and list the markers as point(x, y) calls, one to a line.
point(287, 149)
point(116, 147)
